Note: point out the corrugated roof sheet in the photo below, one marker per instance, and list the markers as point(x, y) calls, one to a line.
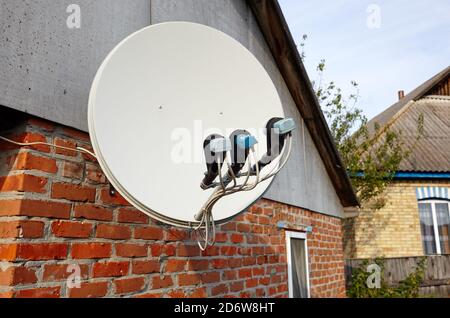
point(432, 152)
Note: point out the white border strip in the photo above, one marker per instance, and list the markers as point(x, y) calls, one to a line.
point(302, 236)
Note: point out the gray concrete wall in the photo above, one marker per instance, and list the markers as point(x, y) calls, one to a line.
point(46, 69)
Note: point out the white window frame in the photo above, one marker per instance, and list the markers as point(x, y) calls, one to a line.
point(435, 225)
point(301, 236)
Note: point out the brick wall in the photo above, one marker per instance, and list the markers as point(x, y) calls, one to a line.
point(394, 230)
point(56, 212)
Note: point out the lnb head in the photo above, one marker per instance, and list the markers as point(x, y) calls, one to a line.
point(220, 146)
point(284, 126)
point(277, 129)
point(246, 141)
point(215, 147)
point(241, 143)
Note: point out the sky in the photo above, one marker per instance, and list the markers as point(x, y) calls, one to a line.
point(385, 46)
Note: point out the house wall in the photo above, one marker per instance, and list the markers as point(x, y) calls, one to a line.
point(48, 68)
point(57, 216)
point(394, 230)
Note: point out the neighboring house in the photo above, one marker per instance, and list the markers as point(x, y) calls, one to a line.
point(57, 214)
point(416, 218)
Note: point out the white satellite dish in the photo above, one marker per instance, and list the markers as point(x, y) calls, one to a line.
point(155, 99)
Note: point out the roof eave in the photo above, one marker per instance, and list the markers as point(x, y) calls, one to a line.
point(279, 39)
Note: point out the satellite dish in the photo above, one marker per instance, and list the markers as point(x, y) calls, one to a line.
point(154, 101)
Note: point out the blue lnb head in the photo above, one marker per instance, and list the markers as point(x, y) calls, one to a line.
point(219, 145)
point(241, 143)
point(284, 126)
point(245, 141)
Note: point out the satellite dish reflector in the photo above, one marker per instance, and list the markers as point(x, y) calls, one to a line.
point(156, 98)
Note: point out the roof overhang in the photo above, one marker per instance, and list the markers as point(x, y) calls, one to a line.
point(279, 39)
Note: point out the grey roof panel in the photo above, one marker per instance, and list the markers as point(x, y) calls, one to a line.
point(432, 152)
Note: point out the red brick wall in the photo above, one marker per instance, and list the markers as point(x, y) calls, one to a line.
point(56, 211)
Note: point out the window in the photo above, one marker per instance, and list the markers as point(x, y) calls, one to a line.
point(297, 259)
point(435, 226)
